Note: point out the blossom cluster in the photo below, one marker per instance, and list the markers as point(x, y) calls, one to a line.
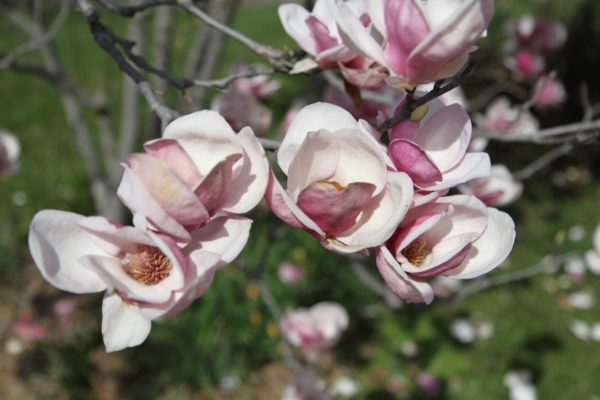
point(354, 189)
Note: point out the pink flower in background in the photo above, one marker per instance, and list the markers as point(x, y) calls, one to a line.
point(455, 236)
point(260, 86)
point(290, 273)
point(533, 33)
point(429, 384)
point(498, 190)
point(64, 310)
point(10, 149)
point(417, 42)
point(501, 117)
point(316, 31)
point(305, 386)
point(550, 94)
point(146, 275)
point(526, 65)
point(199, 169)
point(241, 110)
point(29, 330)
point(338, 184)
point(592, 257)
point(373, 102)
point(315, 329)
point(434, 152)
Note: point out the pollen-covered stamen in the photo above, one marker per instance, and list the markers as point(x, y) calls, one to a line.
point(416, 252)
point(148, 265)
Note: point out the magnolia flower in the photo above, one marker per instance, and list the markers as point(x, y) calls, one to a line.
point(316, 31)
point(499, 189)
point(29, 330)
point(372, 105)
point(338, 187)
point(416, 41)
point(592, 257)
point(64, 309)
point(314, 329)
point(199, 169)
point(290, 273)
point(9, 153)
point(241, 110)
point(500, 117)
point(434, 152)
point(429, 383)
point(532, 33)
point(526, 65)
point(550, 94)
point(145, 274)
point(455, 236)
point(259, 86)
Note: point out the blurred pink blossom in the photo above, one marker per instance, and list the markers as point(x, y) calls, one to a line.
point(315, 329)
point(260, 86)
point(530, 32)
point(64, 309)
point(241, 110)
point(526, 65)
point(29, 330)
point(550, 94)
point(501, 117)
point(429, 383)
point(290, 273)
point(498, 190)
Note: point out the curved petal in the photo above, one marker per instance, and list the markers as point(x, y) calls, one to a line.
point(491, 249)
point(293, 18)
point(214, 186)
point(56, 244)
point(410, 158)
point(445, 136)
point(473, 166)
point(452, 36)
point(206, 137)
point(250, 183)
point(274, 196)
point(335, 208)
point(377, 225)
point(408, 289)
point(312, 118)
point(122, 324)
point(171, 151)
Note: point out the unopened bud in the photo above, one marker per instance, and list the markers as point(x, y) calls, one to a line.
point(419, 113)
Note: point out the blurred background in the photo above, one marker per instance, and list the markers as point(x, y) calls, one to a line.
point(539, 330)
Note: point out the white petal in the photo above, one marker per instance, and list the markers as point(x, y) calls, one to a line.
point(56, 244)
point(293, 18)
point(122, 324)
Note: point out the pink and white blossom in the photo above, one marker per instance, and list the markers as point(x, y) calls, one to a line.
point(526, 65)
point(498, 190)
point(290, 273)
point(315, 329)
point(199, 169)
point(241, 110)
point(455, 236)
point(416, 41)
point(500, 117)
point(145, 275)
point(339, 187)
point(550, 94)
point(533, 33)
point(259, 86)
point(64, 309)
point(10, 149)
point(434, 152)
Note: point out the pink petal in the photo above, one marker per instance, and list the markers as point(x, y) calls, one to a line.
point(472, 166)
point(405, 28)
point(171, 151)
point(408, 289)
point(56, 244)
point(335, 209)
point(293, 18)
point(410, 158)
point(320, 34)
point(213, 187)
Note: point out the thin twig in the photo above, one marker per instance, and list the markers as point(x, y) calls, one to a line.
point(413, 104)
point(543, 161)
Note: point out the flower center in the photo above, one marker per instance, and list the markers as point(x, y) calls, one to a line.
point(416, 252)
point(148, 266)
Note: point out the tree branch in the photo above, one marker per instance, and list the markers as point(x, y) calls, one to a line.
point(131, 10)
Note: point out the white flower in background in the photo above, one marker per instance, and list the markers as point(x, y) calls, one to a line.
point(592, 257)
point(463, 330)
point(520, 386)
point(580, 329)
point(582, 300)
point(575, 269)
point(10, 149)
point(344, 387)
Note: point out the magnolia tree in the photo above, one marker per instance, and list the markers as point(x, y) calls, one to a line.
point(388, 168)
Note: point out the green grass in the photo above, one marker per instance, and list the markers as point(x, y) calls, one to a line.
point(216, 336)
